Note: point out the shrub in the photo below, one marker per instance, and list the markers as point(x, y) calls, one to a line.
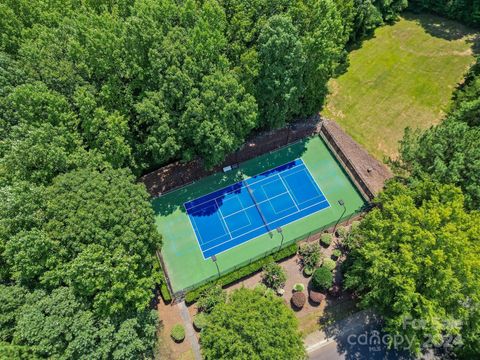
point(200, 321)
point(274, 276)
point(336, 253)
point(329, 264)
point(308, 271)
point(210, 298)
point(299, 299)
point(249, 269)
point(178, 333)
point(316, 296)
point(326, 239)
point(298, 287)
point(354, 226)
point(165, 293)
point(322, 279)
point(310, 253)
point(342, 232)
point(261, 288)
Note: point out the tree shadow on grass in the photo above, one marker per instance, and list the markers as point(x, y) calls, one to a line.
point(446, 29)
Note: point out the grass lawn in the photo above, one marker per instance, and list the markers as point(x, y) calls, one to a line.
point(403, 76)
point(181, 252)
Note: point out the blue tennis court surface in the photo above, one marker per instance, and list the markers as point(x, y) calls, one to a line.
point(253, 207)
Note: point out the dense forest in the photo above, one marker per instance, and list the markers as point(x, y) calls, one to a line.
point(94, 93)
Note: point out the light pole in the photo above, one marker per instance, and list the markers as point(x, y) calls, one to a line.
point(341, 203)
point(214, 259)
point(280, 231)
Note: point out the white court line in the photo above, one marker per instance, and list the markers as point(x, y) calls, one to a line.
point(308, 207)
point(279, 212)
point(293, 194)
point(195, 226)
point(261, 202)
point(223, 219)
point(229, 232)
point(259, 181)
point(243, 186)
point(311, 176)
point(325, 199)
point(290, 193)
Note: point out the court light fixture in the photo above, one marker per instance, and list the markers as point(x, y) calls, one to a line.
point(280, 231)
point(341, 203)
point(214, 259)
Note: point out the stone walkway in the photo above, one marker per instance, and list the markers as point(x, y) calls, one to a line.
point(189, 331)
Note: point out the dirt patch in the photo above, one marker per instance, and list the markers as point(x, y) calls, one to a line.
point(168, 349)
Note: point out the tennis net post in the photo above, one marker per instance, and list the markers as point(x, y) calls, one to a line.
point(250, 191)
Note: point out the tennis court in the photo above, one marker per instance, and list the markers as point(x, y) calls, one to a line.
point(250, 208)
point(235, 215)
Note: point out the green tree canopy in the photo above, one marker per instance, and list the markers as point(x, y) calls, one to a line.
point(57, 325)
point(252, 324)
point(280, 80)
point(415, 256)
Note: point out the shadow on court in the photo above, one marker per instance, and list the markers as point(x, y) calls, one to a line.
point(173, 201)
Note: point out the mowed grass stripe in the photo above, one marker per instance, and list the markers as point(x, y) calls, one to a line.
point(403, 76)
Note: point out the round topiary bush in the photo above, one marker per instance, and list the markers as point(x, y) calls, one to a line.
point(329, 264)
point(316, 296)
point(200, 321)
point(336, 254)
point(298, 287)
point(322, 279)
point(326, 239)
point(178, 333)
point(308, 271)
point(299, 299)
point(342, 232)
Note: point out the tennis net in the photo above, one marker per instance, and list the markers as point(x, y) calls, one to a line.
point(250, 191)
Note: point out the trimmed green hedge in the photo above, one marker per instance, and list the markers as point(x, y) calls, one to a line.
point(255, 266)
point(165, 293)
point(178, 333)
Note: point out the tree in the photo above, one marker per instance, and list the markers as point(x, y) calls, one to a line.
point(414, 258)
point(11, 299)
point(322, 279)
point(104, 131)
point(280, 80)
point(217, 119)
point(274, 276)
point(39, 153)
point(323, 39)
point(449, 153)
point(57, 325)
point(95, 234)
point(310, 253)
point(211, 298)
point(253, 325)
